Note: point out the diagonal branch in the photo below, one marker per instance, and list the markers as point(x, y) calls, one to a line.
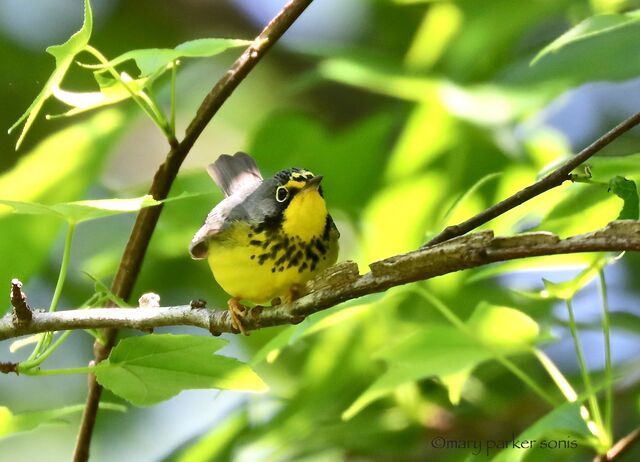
point(553, 179)
point(147, 218)
point(621, 447)
point(343, 282)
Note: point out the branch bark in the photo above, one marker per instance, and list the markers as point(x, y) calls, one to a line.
point(21, 310)
point(343, 282)
point(621, 447)
point(553, 179)
point(163, 179)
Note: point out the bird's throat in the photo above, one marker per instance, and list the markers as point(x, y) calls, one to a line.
point(306, 215)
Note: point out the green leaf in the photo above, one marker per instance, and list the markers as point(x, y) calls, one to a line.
point(628, 192)
point(64, 55)
point(568, 289)
point(603, 168)
point(14, 423)
point(149, 369)
point(563, 422)
point(466, 195)
point(483, 104)
point(152, 60)
point(595, 50)
point(58, 169)
point(504, 328)
point(435, 351)
point(450, 354)
point(596, 27)
point(318, 322)
point(77, 212)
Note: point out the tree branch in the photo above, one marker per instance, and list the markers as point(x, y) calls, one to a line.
point(343, 282)
point(622, 446)
point(553, 179)
point(147, 218)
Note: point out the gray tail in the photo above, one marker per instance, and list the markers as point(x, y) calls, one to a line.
point(234, 173)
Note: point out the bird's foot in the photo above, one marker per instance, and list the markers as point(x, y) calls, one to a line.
point(237, 311)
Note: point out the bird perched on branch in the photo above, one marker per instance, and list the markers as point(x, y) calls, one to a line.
point(266, 238)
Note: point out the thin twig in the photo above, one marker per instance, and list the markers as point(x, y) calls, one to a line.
point(343, 282)
point(553, 179)
point(147, 218)
point(622, 446)
point(21, 310)
point(7, 368)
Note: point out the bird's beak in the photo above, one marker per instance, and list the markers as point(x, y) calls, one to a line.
point(313, 183)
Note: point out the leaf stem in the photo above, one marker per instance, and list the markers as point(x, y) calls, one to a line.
point(591, 397)
point(142, 99)
point(557, 376)
point(172, 115)
point(63, 371)
point(64, 265)
point(45, 338)
point(25, 366)
point(608, 407)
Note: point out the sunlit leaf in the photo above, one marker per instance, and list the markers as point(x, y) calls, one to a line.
point(152, 368)
point(151, 60)
point(435, 351)
point(58, 169)
point(505, 328)
point(440, 25)
point(449, 354)
point(484, 104)
point(64, 55)
point(628, 192)
point(14, 423)
point(76, 212)
point(426, 135)
point(111, 92)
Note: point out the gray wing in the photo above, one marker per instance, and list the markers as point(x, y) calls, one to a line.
point(238, 177)
point(235, 173)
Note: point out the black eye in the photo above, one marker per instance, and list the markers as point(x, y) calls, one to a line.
point(282, 194)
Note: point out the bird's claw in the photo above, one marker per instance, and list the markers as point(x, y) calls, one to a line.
point(237, 311)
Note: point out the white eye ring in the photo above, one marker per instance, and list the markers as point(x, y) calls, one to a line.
point(282, 194)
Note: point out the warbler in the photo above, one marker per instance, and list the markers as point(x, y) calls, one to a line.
point(267, 237)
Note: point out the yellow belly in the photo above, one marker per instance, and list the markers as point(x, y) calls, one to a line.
point(237, 267)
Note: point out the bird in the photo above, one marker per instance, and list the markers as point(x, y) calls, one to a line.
point(267, 237)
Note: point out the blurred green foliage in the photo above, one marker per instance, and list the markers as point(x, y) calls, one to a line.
point(432, 112)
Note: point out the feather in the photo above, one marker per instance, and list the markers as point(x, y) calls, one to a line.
point(235, 173)
point(238, 177)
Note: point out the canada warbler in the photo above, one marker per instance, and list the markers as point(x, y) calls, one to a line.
point(266, 238)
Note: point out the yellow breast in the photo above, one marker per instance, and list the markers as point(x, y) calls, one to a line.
point(260, 267)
